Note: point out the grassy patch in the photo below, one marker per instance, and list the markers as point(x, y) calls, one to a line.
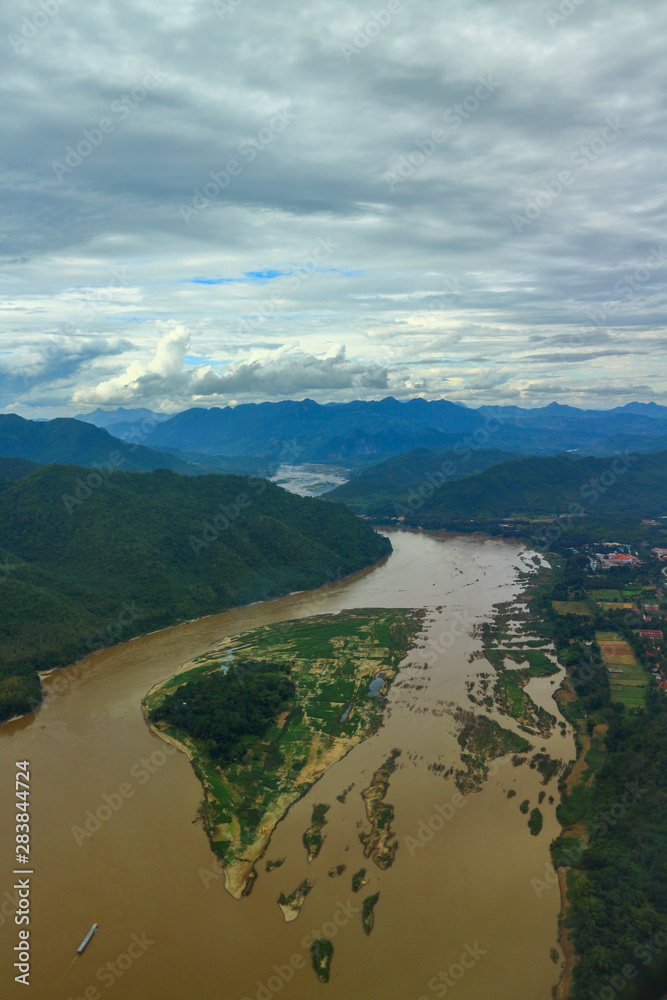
point(573, 608)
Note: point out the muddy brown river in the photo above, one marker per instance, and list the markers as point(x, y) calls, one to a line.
point(465, 911)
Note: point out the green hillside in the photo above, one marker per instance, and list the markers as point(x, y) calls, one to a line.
point(405, 480)
point(74, 442)
point(89, 559)
point(631, 486)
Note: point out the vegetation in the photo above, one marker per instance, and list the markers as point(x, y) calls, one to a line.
point(520, 491)
point(291, 905)
point(227, 713)
point(368, 912)
point(399, 485)
point(321, 953)
point(85, 566)
point(74, 442)
point(379, 842)
point(312, 838)
point(613, 807)
point(535, 822)
point(483, 740)
point(267, 712)
point(359, 880)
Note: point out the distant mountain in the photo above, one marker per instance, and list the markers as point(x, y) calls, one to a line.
point(653, 410)
point(306, 431)
point(111, 418)
point(407, 479)
point(140, 552)
point(550, 486)
point(71, 442)
point(369, 431)
point(626, 444)
point(235, 465)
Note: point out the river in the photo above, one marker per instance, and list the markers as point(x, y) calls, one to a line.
point(310, 480)
point(468, 899)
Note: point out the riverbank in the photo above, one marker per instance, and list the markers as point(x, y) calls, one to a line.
point(149, 859)
point(607, 858)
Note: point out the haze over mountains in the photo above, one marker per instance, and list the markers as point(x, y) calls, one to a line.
point(67, 441)
point(363, 431)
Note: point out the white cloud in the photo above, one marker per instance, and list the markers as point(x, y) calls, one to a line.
point(167, 377)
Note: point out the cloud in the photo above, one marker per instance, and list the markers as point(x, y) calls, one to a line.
point(301, 240)
point(51, 360)
point(167, 377)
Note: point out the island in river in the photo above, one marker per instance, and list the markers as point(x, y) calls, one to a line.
point(264, 714)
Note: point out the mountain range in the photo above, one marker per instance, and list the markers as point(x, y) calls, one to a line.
point(69, 441)
point(367, 431)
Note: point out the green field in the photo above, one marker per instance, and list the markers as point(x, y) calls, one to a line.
point(572, 608)
point(606, 595)
point(627, 679)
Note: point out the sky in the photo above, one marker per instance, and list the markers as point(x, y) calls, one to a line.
point(225, 201)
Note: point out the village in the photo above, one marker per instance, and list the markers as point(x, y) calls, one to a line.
point(620, 601)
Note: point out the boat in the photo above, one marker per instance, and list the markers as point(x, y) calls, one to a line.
point(86, 941)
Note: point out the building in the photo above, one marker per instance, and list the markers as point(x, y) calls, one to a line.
point(617, 559)
point(650, 633)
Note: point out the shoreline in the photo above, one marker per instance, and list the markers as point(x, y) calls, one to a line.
point(43, 674)
point(323, 752)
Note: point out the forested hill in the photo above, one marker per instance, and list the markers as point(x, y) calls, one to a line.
point(72, 441)
point(377, 491)
point(630, 486)
point(87, 559)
